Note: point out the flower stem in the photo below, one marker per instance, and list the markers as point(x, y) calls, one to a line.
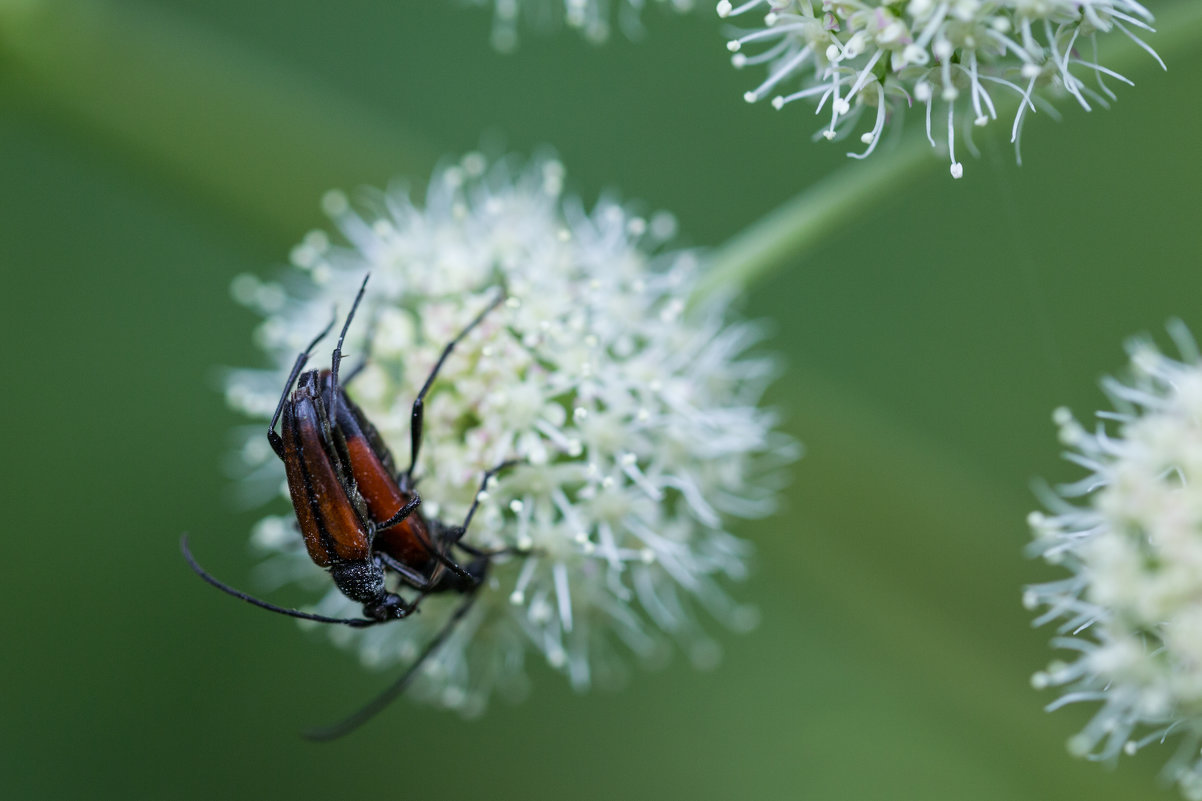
point(251, 134)
point(818, 213)
point(827, 208)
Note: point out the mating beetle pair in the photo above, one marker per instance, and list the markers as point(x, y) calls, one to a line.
point(358, 516)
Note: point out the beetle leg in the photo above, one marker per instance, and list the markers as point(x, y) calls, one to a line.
point(406, 510)
point(454, 534)
point(415, 424)
point(437, 553)
point(451, 535)
point(408, 575)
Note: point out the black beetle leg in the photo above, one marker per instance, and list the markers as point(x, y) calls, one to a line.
point(455, 533)
point(411, 577)
point(415, 424)
point(406, 510)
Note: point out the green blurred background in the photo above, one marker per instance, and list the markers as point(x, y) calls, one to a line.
point(149, 154)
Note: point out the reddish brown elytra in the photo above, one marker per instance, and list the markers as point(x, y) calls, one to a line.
point(333, 516)
point(416, 548)
point(408, 541)
point(359, 519)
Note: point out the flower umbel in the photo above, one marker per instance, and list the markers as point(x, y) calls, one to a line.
point(633, 411)
point(594, 19)
point(1130, 532)
point(880, 57)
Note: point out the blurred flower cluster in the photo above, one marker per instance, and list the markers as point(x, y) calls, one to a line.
point(1130, 533)
point(880, 58)
point(594, 19)
point(632, 403)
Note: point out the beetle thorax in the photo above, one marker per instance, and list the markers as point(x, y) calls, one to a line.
point(362, 582)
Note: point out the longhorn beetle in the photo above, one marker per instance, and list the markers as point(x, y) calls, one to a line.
point(357, 516)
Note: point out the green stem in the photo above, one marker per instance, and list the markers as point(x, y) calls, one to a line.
point(254, 136)
point(820, 212)
point(829, 207)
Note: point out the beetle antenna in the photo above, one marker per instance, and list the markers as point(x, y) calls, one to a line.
point(381, 701)
point(200, 571)
point(336, 360)
point(277, 444)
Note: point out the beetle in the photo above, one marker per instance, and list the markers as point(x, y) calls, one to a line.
point(359, 517)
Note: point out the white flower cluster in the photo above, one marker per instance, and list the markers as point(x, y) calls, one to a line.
point(632, 405)
point(1130, 532)
point(882, 56)
point(592, 18)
